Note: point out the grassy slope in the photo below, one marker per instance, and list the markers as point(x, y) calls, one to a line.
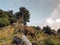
point(41, 38)
point(8, 33)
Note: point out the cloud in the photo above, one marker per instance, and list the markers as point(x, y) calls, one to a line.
point(58, 20)
point(59, 5)
point(50, 21)
point(56, 13)
point(54, 19)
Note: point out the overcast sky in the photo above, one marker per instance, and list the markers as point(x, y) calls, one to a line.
point(43, 12)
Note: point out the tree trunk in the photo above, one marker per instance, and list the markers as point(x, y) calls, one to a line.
point(24, 23)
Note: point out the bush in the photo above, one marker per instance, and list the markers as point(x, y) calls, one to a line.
point(47, 30)
point(12, 20)
point(4, 22)
point(37, 28)
point(58, 31)
point(47, 42)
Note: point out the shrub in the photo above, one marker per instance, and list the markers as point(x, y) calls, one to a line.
point(12, 20)
point(47, 30)
point(4, 22)
point(47, 42)
point(58, 31)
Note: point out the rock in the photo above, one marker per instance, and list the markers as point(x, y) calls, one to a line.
point(17, 40)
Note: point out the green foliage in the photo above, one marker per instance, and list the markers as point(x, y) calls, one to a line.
point(24, 14)
point(37, 28)
point(47, 30)
point(12, 20)
point(6, 18)
point(4, 22)
point(58, 31)
point(47, 42)
point(11, 16)
point(18, 15)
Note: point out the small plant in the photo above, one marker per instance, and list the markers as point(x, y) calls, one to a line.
point(47, 42)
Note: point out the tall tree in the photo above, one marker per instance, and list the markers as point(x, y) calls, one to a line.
point(24, 14)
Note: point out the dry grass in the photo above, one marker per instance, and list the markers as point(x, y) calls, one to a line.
point(7, 33)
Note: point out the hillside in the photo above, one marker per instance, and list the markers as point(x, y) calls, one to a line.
point(40, 38)
point(15, 31)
